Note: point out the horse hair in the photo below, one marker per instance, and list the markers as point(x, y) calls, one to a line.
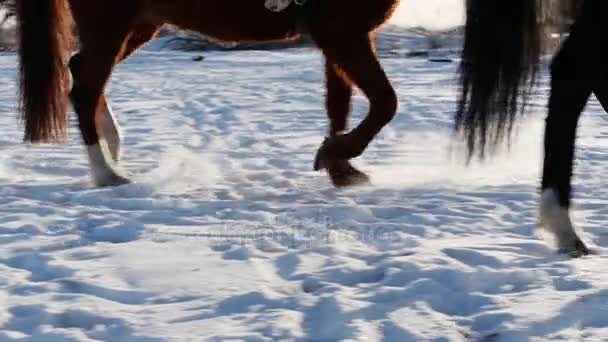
point(502, 47)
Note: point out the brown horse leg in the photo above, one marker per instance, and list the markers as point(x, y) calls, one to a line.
point(356, 57)
point(108, 125)
point(338, 103)
point(338, 100)
point(93, 67)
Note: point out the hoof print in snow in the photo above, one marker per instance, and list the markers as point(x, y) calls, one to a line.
point(114, 233)
point(311, 285)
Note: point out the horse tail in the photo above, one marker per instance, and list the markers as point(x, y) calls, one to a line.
point(45, 37)
point(501, 51)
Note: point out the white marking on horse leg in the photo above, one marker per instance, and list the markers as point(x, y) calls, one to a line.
point(102, 172)
point(111, 132)
point(70, 81)
point(556, 219)
point(277, 5)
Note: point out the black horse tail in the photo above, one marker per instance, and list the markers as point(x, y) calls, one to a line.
point(502, 47)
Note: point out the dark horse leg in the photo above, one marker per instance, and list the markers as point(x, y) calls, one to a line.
point(576, 72)
point(600, 88)
point(108, 127)
point(338, 103)
point(358, 61)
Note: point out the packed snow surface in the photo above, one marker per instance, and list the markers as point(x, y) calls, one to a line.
point(227, 234)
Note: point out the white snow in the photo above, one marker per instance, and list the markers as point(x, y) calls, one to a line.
point(430, 14)
point(227, 234)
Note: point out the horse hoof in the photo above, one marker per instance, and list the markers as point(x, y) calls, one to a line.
point(112, 180)
point(579, 249)
point(322, 156)
point(343, 174)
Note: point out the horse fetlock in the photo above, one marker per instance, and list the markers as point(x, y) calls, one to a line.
point(110, 179)
point(556, 219)
point(347, 146)
point(102, 173)
point(343, 174)
point(337, 148)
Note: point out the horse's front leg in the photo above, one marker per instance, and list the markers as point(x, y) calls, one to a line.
point(358, 62)
point(338, 105)
point(98, 124)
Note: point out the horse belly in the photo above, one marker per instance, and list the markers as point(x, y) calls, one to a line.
point(229, 20)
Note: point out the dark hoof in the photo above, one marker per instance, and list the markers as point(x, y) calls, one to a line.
point(322, 157)
point(579, 250)
point(343, 174)
point(112, 180)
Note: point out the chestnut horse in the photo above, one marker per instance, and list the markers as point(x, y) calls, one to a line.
point(111, 30)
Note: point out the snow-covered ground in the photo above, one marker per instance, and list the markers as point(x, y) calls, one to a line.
point(430, 14)
point(227, 234)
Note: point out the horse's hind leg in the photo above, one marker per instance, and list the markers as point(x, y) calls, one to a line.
point(100, 51)
point(338, 99)
point(574, 73)
point(567, 100)
point(338, 103)
point(108, 125)
point(357, 59)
